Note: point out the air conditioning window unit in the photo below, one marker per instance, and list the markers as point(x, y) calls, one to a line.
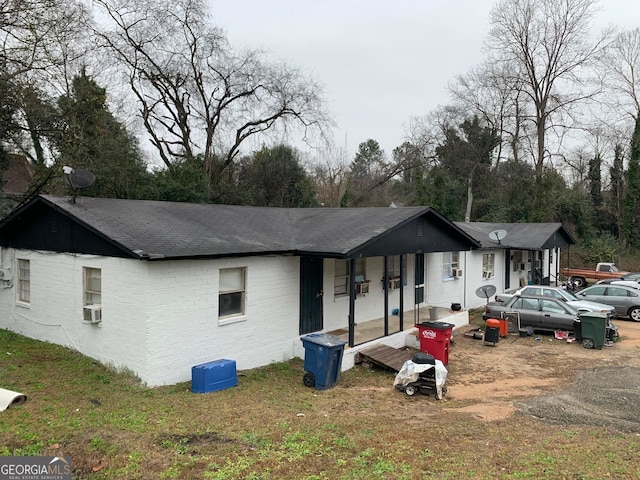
point(394, 283)
point(362, 288)
point(92, 313)
point(457, 272)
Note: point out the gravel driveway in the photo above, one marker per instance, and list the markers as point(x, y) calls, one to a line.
point(603, 396)
point(550, 379)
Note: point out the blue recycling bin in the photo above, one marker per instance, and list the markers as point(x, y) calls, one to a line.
point(322, 360)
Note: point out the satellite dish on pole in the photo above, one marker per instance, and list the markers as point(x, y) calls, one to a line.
point(497, 235)
point(486, 291)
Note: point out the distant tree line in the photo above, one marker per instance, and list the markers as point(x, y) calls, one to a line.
point(158, 105)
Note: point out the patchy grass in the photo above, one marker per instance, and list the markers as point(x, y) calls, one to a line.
point(272, 427)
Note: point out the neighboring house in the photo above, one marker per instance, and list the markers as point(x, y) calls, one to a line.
point(511, 255)
point(158, 287)
point(17, 176)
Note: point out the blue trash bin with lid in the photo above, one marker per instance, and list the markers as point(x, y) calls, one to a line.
point(322, 360)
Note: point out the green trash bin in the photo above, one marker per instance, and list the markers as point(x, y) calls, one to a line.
point(593, 328)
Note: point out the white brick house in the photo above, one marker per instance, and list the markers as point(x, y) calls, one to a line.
point(158, 287)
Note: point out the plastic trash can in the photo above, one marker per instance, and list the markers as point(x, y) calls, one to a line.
point(435, 339)
point(492, 331)
point(504, 326)
point(577, 330)
point(322, 360)
point(593, 326)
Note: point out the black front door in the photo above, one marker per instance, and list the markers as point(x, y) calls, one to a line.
point(310, 295)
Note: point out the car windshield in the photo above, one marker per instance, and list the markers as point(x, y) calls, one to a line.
point(569, 295)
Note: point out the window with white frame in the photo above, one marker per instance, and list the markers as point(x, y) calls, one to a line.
point(342, 274)
point(24, 281)
point(231, 298)
point(450, 261)
point(488, 265)
point(92, 286)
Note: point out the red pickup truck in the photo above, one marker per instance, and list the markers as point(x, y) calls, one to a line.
point(604, 270)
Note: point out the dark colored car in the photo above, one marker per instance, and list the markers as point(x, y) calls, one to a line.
point(537, 312)
point(626, 300)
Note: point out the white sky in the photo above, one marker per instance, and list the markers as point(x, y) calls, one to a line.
point(380, 62)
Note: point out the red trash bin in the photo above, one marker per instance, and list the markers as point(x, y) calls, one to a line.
point(435, 339)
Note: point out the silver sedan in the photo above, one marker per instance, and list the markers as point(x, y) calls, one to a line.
point(626, 300)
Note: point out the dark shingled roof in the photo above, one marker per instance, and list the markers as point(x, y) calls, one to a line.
point(521, 236)
point(153, 229)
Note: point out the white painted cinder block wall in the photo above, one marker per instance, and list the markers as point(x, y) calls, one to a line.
point(55, 315)
point(159, 319)
point(184, 329)
point(442, 291)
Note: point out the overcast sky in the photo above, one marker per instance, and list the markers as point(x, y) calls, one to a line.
point(380, 62)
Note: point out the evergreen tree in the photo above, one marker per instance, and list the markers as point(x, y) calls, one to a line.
point(92, 138)
point(274, 177)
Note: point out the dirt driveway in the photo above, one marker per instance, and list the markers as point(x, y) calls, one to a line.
point(548, 378)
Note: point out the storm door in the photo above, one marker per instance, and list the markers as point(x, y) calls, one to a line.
point(311, 295)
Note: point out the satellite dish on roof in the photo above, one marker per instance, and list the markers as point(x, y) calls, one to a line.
point(486, 291)
point(78, 177)
point(497, 234)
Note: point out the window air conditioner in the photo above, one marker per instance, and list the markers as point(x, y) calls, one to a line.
point(362, 288)
point(457, 272)
point(92, 313)
point(393, 283)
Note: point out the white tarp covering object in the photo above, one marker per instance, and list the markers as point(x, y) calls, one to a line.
point(10, 399)
point(410, 372)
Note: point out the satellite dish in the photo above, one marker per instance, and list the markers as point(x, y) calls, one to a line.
point(497, 235)
point(80, 178)
point(486, 291)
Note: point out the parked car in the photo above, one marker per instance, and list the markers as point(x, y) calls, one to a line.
point(626, 300)
point(631, 280)
point(535, 311)
point(562, 294)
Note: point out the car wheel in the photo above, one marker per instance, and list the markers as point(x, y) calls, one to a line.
point(578, 282)
point(410, 390)
point(634, 314)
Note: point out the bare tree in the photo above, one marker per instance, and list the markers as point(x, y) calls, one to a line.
point(42, 45)
point(196, 95)
point(330, 175)
point(622, 64)
point(550, 41)
point(491, 92)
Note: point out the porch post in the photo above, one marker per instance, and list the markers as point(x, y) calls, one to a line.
point(352, 301)
point(385, 285)
point(402, 278)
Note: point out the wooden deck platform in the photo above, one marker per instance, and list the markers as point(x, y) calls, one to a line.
point(385, 356)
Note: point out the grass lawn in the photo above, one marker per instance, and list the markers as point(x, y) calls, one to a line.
point(273, 427)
